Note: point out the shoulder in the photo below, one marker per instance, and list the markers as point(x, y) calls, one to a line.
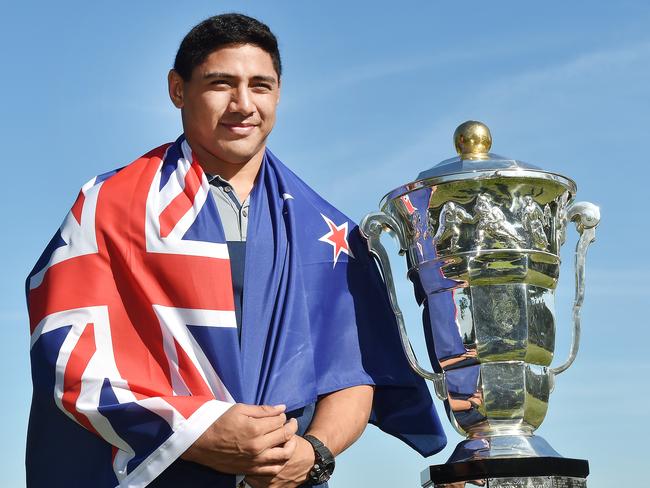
point(323, 233)
point(303, 195)
point(109, 200)
point(130, 174)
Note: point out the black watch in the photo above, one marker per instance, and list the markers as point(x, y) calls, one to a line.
point(324, 463)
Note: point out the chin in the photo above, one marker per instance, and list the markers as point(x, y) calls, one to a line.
point(235, 157)
point(238, 153)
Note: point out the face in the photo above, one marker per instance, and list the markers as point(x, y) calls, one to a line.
point(228, 107)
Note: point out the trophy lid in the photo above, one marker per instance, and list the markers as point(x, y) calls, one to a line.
point(473, 142)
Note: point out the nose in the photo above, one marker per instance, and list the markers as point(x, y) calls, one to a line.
point(241, 102)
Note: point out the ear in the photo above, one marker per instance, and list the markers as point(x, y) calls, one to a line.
point(175, 85)
point(277, 102)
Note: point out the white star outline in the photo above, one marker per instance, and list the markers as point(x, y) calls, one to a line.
point(327, 239)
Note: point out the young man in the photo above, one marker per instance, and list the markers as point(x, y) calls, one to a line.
point(196, 299)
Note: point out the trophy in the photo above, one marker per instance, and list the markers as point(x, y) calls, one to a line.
point(482, 236)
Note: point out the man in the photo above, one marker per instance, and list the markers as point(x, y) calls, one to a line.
point(196, 299)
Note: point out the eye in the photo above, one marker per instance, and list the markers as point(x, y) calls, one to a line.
point(220, 83)
point(263, 87)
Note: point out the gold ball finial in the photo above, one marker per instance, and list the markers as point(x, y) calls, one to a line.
point(473, 140)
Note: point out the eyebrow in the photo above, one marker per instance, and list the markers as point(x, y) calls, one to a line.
point(220, 74)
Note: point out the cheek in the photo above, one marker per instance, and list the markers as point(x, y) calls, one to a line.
point(209, 107)
point(268, 110)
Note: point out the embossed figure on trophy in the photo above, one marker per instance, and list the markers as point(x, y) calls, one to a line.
point(563, 203)
point(492, 223)
point(533, 219)
point(452, 216)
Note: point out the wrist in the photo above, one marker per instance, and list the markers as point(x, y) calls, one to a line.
point(305, 459)
point(323, 466)
point(321, 435)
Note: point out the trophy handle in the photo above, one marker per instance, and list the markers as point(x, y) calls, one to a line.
point(371, 228)
point(586, 217)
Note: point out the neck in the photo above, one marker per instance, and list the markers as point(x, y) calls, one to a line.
point(240, 175)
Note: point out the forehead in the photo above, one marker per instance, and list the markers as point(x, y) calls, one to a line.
point(241, 60)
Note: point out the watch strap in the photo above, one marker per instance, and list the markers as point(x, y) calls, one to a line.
point(324, 462)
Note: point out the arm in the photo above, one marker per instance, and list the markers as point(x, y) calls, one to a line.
point(339, 420)
point(341, 417)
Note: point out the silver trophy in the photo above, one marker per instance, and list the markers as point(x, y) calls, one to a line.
point(482, 236)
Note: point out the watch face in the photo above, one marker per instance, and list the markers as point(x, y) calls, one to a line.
point(322, 470)
point(323, 476)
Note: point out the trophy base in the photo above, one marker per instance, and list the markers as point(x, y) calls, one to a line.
point(502, 446)
point(535, 472)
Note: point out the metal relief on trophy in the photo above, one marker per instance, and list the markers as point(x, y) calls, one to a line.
point(493, 229)
point(517, 222)
point(482, 234)
point(534, 220)
point(452, 216)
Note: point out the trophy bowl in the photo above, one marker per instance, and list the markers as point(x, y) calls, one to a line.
point(482, 236)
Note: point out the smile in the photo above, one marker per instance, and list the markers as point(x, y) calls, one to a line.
point(240, 129)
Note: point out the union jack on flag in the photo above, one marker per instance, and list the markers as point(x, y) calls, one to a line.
point(118, 340)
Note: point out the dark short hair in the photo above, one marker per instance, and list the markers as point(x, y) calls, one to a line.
point(220, 31)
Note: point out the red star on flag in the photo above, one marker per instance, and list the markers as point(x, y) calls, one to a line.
point(338, 238)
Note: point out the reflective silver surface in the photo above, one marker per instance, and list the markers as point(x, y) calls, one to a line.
point(502, 446)
point(483, 252)
point(586, 216)
point(374, 225)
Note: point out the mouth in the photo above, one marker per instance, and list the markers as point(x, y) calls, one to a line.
point(240, 128)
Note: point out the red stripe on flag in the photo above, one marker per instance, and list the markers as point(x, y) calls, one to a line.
point(91, 280)
point(78, 206)
point(182, 203)
point(187, 405)
point(407, 203)
point(77, 364)
point(87, 283)
point(185, 281)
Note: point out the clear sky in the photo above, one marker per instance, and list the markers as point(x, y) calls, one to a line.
point(372, 92)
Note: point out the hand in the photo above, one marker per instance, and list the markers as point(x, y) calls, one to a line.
point(476, 399)
point(459, 405)
point(247, 439)
point(293, 474)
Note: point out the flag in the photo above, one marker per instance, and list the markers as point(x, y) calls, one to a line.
point(134, 341)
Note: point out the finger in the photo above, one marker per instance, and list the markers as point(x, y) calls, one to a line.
point(269, 471)
point(261, 411)
point(291, 445)
point(269, 464)
point(280, 436)
point(276, 455)
point(268, 424)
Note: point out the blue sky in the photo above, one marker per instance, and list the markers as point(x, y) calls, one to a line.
point(372, 92)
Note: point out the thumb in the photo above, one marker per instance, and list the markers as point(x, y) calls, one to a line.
point(262, 411)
